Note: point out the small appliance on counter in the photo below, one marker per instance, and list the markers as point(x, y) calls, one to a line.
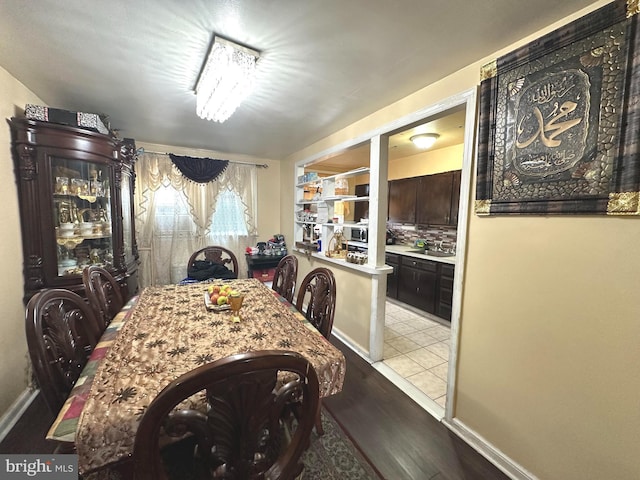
point(360, 234)
point(390, 238)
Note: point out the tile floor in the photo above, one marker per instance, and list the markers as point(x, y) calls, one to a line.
point(417, 348)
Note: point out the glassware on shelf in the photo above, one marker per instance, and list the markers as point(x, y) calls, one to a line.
point(342, 186)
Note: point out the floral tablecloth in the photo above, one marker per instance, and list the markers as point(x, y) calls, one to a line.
point(169, 332)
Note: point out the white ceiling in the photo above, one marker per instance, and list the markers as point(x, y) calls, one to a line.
point(324, 63)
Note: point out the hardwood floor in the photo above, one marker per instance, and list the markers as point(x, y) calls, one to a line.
point(400, 439)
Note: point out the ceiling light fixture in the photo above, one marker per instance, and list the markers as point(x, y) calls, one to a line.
point(226, 79)
point(424, 140)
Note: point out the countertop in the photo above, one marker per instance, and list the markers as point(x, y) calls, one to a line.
point(409, 251)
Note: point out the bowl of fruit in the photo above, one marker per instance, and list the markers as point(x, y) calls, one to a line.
point(216, 298)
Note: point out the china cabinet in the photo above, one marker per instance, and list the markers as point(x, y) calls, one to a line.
point(75, 189)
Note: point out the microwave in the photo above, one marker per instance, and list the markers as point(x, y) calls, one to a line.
point(360, 234)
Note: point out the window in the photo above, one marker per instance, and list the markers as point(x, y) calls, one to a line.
point(229, 216)
point(172, 213)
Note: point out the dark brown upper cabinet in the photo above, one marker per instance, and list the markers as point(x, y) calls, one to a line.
point(402, 200)
point(425, 200)
point(438, 198)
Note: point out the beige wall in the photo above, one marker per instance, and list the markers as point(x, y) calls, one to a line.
point(13, 367)
point(427, 163)
point(548, 347)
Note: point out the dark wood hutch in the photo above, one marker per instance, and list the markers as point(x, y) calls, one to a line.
point(75, 190)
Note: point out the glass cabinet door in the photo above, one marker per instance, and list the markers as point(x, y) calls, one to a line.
point(81, 214)
point(127, 216)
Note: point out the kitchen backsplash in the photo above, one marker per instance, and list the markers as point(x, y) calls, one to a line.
point(406, 235)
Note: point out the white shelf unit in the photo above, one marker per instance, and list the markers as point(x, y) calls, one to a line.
point(327, 185)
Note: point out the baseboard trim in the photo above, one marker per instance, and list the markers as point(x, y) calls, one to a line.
point(15, 411)
point(488, 451)
point(353, 346)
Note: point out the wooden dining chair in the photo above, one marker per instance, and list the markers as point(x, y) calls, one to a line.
point(241, 433)
point(285, 277)
point(317, 299)
point(104, 294)
point(215, 255)
point(61, 333)
point(317, 302)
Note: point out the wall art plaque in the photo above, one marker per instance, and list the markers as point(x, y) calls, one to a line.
point(559, 121)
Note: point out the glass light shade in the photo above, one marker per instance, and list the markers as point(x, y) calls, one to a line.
point(424, 140)
point(227, 78)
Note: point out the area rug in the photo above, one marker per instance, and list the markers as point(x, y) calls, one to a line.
point(334, 457)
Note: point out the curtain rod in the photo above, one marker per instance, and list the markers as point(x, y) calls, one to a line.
point(142, 150)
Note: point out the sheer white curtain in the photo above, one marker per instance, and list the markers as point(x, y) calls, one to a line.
point(175, 216)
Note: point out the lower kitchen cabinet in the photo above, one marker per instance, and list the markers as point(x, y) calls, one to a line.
point(445, 291)
point(424, 284)
point(392, 260)
point(417, 282)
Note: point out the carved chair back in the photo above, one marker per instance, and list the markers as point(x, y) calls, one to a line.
point(104, 294)
point(285, 277)
point(61, 333)
point(317, 299)
point(214, 253)
point(241, 434)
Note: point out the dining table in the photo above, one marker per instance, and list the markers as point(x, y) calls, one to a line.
point(167, 331)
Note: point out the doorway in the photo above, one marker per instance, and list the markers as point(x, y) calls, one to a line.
point(419, 348)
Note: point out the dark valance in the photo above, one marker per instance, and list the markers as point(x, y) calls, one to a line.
point(199, 170)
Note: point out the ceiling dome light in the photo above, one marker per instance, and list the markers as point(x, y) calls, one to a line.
point(424, 140)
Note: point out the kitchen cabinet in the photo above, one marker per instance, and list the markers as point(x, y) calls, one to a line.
point(434, 200)
point(455, 197)
point(417, 282)
point(75, 192)
point(445, 291)
point(425, 200)
point(393, 261)
point(421, 283)
point(402, 200)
